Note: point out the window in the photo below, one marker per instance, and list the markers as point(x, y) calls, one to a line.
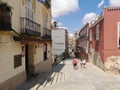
point(118, 40)
point(90, 35)
point(45, 20)
point(17, 60)
point(97, 32)
point(29, 9)
point(87, 31)
point(45, 51)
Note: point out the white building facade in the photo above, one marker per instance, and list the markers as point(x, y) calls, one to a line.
point(75, 38)
point(59, 41)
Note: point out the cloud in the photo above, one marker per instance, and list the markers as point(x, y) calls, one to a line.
point(101, 3)
point(114, 2)
point(89, 17)
point(58, 23)
point(63, 27)
point(71, 34)
point(62, 7)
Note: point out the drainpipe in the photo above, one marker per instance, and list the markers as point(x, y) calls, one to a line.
point(16, 32)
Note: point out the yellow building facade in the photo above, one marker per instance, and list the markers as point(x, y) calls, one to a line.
point(25, 41)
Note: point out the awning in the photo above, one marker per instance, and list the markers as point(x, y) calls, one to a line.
point(26, 40)
point(31, 41)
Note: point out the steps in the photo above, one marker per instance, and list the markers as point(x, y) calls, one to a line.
point(52, 79)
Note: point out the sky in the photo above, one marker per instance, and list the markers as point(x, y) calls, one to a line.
point(73, 14)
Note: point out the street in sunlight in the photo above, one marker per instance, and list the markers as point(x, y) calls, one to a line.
point(45, 45)
point(64, 77)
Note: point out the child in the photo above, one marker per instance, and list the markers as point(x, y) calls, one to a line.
point(84, 63)
point(81, 64)
point(75, 61)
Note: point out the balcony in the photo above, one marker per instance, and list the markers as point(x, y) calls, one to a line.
point(5, 22)
point(84, 36)
point(29, 27)
point(5, 16)
point(46, 33)
point(47, 3)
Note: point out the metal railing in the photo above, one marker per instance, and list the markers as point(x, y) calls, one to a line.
point(5, 22)
point(83, 36)
point(47, 3)
point(29, 27)
point(46, 32)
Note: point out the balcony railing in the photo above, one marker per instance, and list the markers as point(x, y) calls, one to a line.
point(83, 36)
point(47, 3)
point(29, 27)
point(5, 22)
point(46, 32)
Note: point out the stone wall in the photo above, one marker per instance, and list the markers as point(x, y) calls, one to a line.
point(13, 82)
point(113, 64)
point(95, 58)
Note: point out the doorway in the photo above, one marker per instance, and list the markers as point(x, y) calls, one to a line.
point(29, 59)
point(26, 60)
point(45, 51)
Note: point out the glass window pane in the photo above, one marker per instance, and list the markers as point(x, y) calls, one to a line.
point(118, 25)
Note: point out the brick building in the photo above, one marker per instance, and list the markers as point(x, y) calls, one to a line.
point(104, 40)
point(83, 38)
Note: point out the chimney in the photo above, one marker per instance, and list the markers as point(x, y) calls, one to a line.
point(55, 24)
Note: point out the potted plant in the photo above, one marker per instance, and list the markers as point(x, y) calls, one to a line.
point(5, 15)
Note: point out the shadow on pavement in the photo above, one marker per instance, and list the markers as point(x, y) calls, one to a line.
point(42, 79)
point(58, 67)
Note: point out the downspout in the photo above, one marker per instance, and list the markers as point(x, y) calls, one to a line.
point(19, 16)
point(16, 32)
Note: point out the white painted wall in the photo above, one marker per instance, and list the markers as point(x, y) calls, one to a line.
point(8, 47)
point(58, 41)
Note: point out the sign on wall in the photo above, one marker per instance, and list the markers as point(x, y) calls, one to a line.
point(97, 32)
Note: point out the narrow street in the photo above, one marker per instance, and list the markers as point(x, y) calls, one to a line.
point(64, 77)
point(36, 35)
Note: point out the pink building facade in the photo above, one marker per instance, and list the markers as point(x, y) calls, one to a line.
point(104, 40)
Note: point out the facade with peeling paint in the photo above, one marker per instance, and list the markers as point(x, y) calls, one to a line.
point(25, 41)
point(104, 40)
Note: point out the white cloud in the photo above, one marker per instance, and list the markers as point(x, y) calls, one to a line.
point(63, 27)
point(89, 17)
point(71, 34)
point(58, 23)
point(62, 7)
point(101, 3)
point(53, 20)
point(114, 2)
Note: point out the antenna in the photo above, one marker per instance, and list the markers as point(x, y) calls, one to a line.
point(55, 24)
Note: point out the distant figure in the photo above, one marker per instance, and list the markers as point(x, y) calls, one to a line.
point(81, 64)
point(84, 63)
point(84, 58)
point(75, 61)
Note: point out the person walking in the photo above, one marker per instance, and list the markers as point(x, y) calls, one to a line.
point(84, 63)
point(75, 62)
point(81, 64)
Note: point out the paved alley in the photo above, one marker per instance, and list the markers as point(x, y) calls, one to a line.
point(64, 77)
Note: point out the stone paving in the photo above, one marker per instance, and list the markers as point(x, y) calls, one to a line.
point(64, 77)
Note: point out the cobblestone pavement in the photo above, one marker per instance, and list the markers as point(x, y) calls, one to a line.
point(64, 77)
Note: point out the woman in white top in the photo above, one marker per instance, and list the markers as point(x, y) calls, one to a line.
point(84, 63)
